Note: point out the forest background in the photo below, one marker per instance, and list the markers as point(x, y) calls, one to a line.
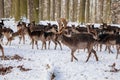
point(84, 11)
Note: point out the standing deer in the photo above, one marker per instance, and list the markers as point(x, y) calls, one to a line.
point(79, 41)
point(21, 28)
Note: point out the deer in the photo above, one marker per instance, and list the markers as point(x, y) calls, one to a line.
point(43, 36)
point(7, 32)
point(118, 46)
point(104, 35)
point(21, 28)
point(113, 39)
point(78, 41)
point(12, 37)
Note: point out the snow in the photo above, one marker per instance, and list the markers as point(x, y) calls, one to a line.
point(58, 61)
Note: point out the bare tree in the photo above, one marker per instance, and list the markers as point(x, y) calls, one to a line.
point(52, 9)
point(67, 8)
point(82, 11)
point(87, 11)
point(7, 8)
point(40, 9)
point(23, 8)
point(1, 8)
point(74, 10)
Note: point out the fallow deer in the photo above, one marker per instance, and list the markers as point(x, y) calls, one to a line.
point(79, 41)
point(7, 32)
point(21, 28)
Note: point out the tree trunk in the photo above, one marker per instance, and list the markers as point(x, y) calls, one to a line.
point(1, 8)
point(87, 11)
point(67, 9)
point(58, 9)
point(71, 10)
point(23, 8)
point(7, 8)
point(82, 11)
point(40, 9)
point(17, 9)
point(75, 10)
point(33, 10)
point(48, 9)
point(52, 10)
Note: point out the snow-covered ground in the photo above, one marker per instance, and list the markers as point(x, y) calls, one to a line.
point(45, 62)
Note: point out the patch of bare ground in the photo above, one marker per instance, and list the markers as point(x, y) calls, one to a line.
point(15, 57)
point(112, 68)
point(5, 70)
point(23, 68)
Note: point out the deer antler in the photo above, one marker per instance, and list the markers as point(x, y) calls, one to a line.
point(62, 23)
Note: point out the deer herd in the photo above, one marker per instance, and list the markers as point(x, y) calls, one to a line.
point(74, 37)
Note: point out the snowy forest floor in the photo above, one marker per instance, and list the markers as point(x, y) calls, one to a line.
point(40, 64)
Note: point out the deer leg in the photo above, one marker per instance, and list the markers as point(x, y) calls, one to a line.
point(94, 52)
point(45, 44)
point(10, 42)
point(49, 45)
point(2, 52)
point(36, 43)
point(110, 51)
point(117, 46)
point(23, 39)
point(55, 45)
point(106, 48)
point(60, 45)
point(100, 47)
point(32, 44)
point(7, 42)
point(89, 54)
point(42, 45)
point(1, 41)
point(72, 55)
point(20, 39)
point(96, 47)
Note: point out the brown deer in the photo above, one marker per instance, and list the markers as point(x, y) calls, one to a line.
point(43, 33)
point(43, 36)
point(79, 41)
point(113, 39)
point(7, 32)
point(21, 28)
point(15, 34)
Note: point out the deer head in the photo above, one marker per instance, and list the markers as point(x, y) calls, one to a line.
point(62, 23)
